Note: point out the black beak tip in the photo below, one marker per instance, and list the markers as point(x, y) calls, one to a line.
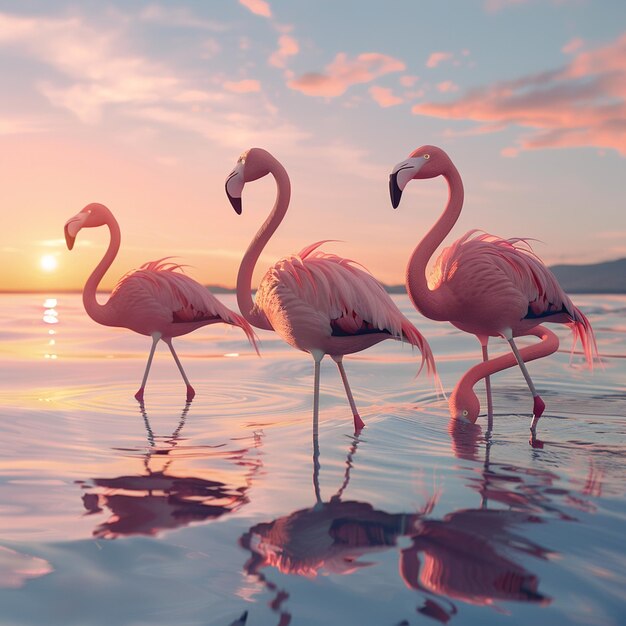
point(236, 202)
point(394, 191)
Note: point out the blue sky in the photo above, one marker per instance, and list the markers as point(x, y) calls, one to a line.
point(145, 106)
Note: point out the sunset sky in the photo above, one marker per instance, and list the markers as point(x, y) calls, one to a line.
point(146, 106)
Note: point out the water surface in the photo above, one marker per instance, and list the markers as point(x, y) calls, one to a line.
point(192, 513)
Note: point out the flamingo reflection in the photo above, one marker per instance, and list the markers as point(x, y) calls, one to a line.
point(329, 536)
point(158, 499)
point(469, 555)
point(527, 489)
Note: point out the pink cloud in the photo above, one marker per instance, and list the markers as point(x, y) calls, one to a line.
point(242, 86)
point(344, 72)
point(98, 68)
point(258, 7)
point(582, 104)
point(20, 125)
point(509, 152)
point(436, 58)
point(408, 81)
point(447, 86)
point(384, 97)
point(572, 46)
point(287, 46)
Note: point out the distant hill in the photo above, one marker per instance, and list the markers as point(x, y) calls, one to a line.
point(220, 289)
point(608, 277)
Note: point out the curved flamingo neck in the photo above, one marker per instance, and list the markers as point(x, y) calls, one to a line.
point(259, 241)
point(549, 343)
point(96, 311)
point(427, 301)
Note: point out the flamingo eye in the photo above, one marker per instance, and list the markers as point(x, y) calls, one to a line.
point(465, 412)
point(427, 156)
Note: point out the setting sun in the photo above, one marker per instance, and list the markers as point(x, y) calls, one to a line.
point(48, 263)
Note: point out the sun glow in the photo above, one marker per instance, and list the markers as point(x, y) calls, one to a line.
point(48, 263)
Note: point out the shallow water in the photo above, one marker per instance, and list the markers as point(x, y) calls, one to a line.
point(191, 514)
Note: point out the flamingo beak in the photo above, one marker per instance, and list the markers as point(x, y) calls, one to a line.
point(71, 229)
point(401, 175)
point(235, 202)
point(394, 190)
point(234, 188)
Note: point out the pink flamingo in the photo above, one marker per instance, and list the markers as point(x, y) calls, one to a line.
point(319, 303)
point(484, 285)
point(156, 300)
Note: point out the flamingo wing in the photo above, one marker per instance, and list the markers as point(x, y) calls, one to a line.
point(161, 286)
point(340, 296)
point(485, 262)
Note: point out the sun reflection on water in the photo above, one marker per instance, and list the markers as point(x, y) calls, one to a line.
point(51, 316)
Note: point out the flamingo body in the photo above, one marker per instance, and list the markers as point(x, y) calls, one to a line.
point(317, 302)
point(493, 284)
point(158, 297)
point(484, 285)
point(157, 300)
point(324, 302)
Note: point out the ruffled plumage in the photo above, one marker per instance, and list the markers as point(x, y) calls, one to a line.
point(165, 287)
point(477, 254)
point(343, 293)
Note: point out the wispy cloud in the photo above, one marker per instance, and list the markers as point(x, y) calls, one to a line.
point(20, 125)
point(100, 68)
point(408, 80)
point(258, 7)
point(178, 16)
point(344, 72)
point(582, 104)
point(287, 47)
point(243, 86)
point(234, 130)
point(611, 234)
point(384, 97)
point(436, 58)
point(447, 86)
point(573, 45)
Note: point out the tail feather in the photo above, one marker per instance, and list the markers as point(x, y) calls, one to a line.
point(415, 338)
point(581, 329)
point(238, 320)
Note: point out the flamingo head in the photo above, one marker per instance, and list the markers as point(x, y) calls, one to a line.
point(464, 404)
point(251, 165)
point(91, 216)
point(425, 162)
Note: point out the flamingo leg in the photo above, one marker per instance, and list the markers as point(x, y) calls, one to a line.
point(316, 468)
point(358, 422)
point(538, 403)
point(155, 340)
point(317, 357)
point(483, 342)
point(190, 390)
